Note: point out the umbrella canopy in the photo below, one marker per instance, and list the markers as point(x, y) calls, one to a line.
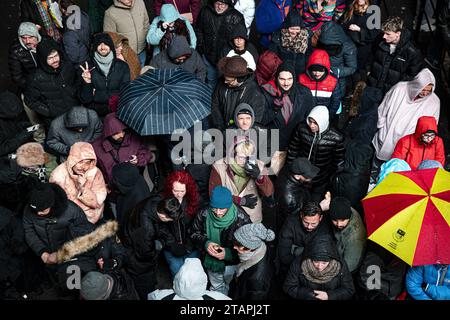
point(408, 214)
point(164, 100)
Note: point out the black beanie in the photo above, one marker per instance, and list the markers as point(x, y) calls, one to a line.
point(42, 197)
point(340, 208)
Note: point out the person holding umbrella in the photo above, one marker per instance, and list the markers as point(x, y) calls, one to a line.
point(429, 282)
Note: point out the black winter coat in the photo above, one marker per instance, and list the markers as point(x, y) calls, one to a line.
point(13, 124)
point(352, 182)
point(302, 101)
point(294, 238)
point(52, 92)
point(77, 40)
point(95, 95)
point(199, 235)
point(29, 13)
point(12, 245)
point(225, 100)
point(140, 233)
point(212, 29)
point(443, 20)
point(255, 283)
point(22, 63)
point(299, 287)
point(389, 69)
point(325, 151)
point(66, 221)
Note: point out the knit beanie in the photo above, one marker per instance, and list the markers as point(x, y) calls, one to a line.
point(235, 66)
point(29, 29)
point(304, 167)
point(96, 286)
point(42, 197)
point(340, 208)
point(221, 198)
point(252, 235)
point(30, 154)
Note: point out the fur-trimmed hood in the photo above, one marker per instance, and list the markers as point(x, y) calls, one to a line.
point(30, 154)
point(87, 242)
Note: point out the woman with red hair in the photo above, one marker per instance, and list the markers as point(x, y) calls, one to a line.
point(181, 202)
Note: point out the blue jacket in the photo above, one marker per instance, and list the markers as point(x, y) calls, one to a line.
point(269, 17)
point(429, 276)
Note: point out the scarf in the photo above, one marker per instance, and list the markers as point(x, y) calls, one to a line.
point(104, 63)
point(299, 44)
point(285, 104)
point(250, 258)
point(40, 172)
point(311, 273)
point(240, 177)
point(49, 25)
point(214, 226)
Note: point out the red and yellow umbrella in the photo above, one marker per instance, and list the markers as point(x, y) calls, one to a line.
point(408, 213)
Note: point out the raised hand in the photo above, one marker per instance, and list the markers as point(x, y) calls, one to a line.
point(86, 75)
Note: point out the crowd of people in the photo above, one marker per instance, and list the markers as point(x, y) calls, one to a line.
point(80, 190)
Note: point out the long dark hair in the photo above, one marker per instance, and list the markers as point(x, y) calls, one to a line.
point(355, 8)
point(180, 29)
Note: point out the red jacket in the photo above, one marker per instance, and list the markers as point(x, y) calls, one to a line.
point(413, 151)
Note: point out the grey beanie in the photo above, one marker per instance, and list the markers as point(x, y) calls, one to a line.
point(95, 286)
point(252, 235)
point(29, 29)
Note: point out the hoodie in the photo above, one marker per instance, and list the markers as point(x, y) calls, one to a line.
point(399, 112)
point(250, 54)
point(325, 90)
point(411, 149)
point(393, 165)
point(88, 191)
point(189, 284)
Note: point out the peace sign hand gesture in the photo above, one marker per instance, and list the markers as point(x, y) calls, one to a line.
point(86, 75)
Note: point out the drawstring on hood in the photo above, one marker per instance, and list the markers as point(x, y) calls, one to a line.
point(321, 115)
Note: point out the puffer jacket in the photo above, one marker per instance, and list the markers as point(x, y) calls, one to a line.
point(199, 236)
point(89, 195)
point(132, 23)
point(411, 149)
point(61, 135)
point(77, 40)
point(325, 91)
point(298, 286)
point(22, 63)
point(65, 222)
point(95, 95)
point(50, 92)
point(325, 149)
point(211, 28)
point(422, 282)
point(403, 65)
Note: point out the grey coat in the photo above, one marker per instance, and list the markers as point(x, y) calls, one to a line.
point(61, 137)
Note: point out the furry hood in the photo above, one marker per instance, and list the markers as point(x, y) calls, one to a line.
point(31, 154)
point(87, 242)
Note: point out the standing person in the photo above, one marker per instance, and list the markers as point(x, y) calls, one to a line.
point(399, 111)
point(317, 13)
point(324, 86)
point(245, 177)
point(292, 43)
point(190, 9)
point(82, 181)
point(52, 88)
point(212, 233)
point(288, 103)
point(254, 273)
point(38, 12)
point(320, 274)
point(269, 18)
point(216, 19)
point(168, 25)
point(105, 78)
point(129, 18)
point(267, 66)
point(349, 232)
point(423, 144)
point(125, 53)
point(189, 284)
point(22, 59)
point(395, 58)
point(76, 36)
point(119, 144)
point(96, 12)
point(429, 282)
point(322, 145)
point(239, 45)
point(76, 125)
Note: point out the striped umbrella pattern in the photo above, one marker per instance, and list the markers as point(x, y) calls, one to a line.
point(164, 100)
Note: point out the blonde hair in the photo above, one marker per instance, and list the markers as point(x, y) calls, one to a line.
point(245, 148)
point(356, 8)
point(392, 24)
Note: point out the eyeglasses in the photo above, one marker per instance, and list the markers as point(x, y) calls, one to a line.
point(428, 135)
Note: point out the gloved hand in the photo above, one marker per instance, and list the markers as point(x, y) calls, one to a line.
point(249, 201)
point(110, 264)
point(178, 249)
point(252, 170)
